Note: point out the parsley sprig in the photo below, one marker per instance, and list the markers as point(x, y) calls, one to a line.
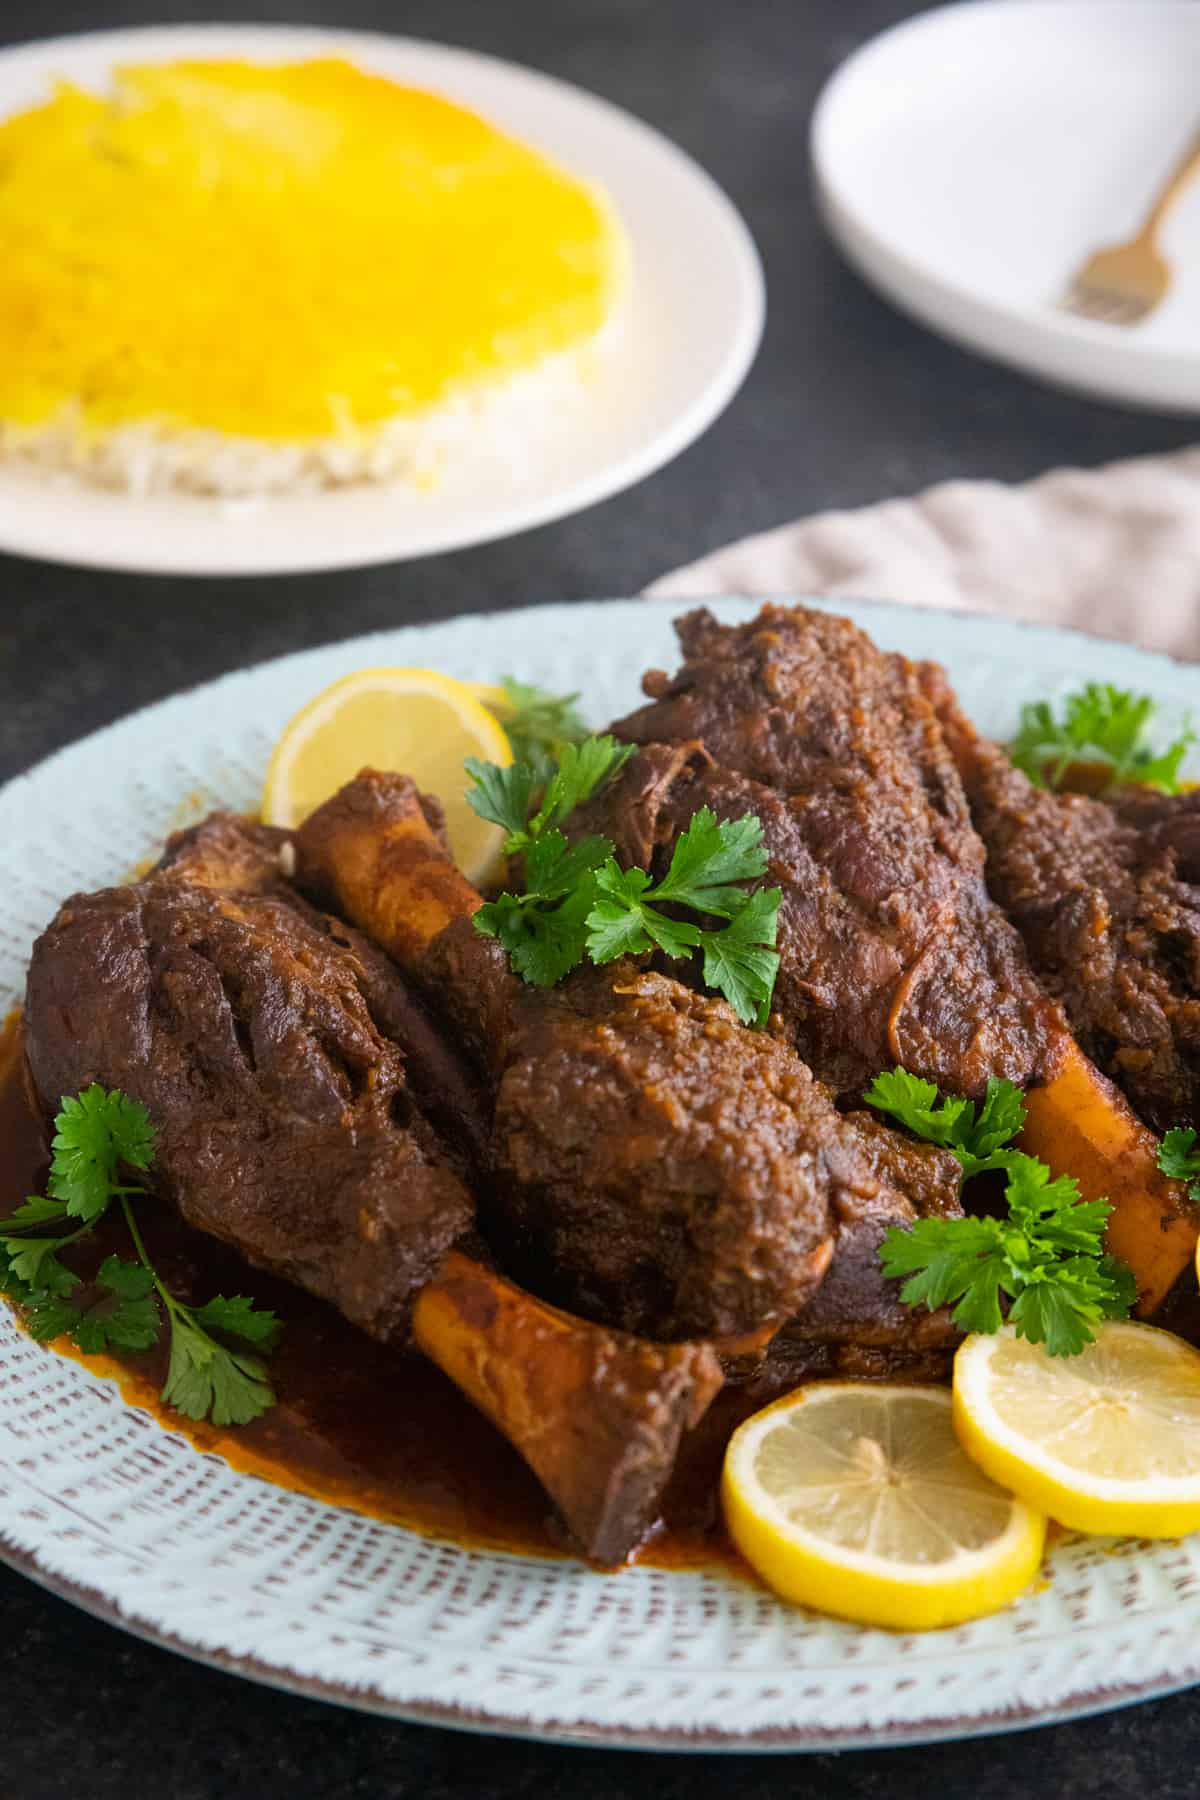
point(1179, 1157)
point(539, 725)
point(1103, 724)
point(531, 805)
point(98, 1134)
point(708, 864)
point(1046, 1256)
point(579, 904)
point(976, 1136)
point(544, 929)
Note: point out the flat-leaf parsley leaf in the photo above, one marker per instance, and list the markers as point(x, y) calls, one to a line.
point(99, 1133)
point(1179, 1157)
point(1046, 1257)
point(125, 1315)
point(539, 724)
point(94, 1133)
point(205, 1380)
point(579, 904)
point(544, 930)
point(506, 796)
point(1103, 724)
point(707, 863)
point(741, 961)
point(975, 1135)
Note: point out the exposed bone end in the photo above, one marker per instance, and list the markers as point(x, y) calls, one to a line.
point(1081, 1125)
point(596, 1414)
point(376, 853)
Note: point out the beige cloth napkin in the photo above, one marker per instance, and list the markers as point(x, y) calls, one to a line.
point(1114, 551)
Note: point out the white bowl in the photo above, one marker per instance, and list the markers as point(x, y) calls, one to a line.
point(967, 161)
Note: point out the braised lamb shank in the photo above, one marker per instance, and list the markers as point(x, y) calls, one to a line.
point(892, 949)
point(252, 1032)
point(657, 1164)
point(382, 1113)
point(1106, 894)
point(283, 1063)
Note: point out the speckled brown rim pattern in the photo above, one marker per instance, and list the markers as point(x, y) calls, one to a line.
point(775, 1740)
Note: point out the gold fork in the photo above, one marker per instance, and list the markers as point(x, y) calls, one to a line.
point(1124, 283)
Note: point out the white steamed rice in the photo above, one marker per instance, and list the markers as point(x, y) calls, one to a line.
point(508, 421)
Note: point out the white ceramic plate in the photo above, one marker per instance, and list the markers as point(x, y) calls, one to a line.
point(689, 333)
point(103, 1506)
point(968, 160)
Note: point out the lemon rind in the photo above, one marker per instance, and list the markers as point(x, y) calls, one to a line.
point(1106, 1506)
point(278, 805)
point(806, 1569)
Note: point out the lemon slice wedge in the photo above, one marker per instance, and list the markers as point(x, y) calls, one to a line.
point(493, 696)
point(1106, 1441)
point(857, 1499)
point(414, 720)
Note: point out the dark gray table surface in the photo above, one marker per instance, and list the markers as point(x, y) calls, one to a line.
point(848, 403)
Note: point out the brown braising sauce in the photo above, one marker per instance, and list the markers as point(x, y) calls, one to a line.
point(380, 1431)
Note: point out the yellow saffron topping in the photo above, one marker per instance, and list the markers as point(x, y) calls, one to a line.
point(281, 252)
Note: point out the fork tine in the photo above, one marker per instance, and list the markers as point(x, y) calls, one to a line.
point(1080, 299)
point(1081, 302)
point(1104, 306)
point(1126, 310)
point(1110, 308)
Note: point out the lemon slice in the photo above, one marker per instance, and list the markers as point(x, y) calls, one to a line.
point(493, 696)
point(858, 1499)
point(1106, 1441)
point(413, 720)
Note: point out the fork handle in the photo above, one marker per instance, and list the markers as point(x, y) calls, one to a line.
point(1181, 173)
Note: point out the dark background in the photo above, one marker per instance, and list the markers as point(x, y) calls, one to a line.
point(848, 403)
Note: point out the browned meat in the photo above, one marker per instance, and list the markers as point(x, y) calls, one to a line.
point(680, 1176)
point(1107, 899)
point(228, 854)
point(655, 1163)
point(892, 950)
point(659, 1162)
point(696, 1105)
point(659, 1166)
point(1166, 824)
point(855, 1308)
point(259, 1034)
point(286, 1127)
